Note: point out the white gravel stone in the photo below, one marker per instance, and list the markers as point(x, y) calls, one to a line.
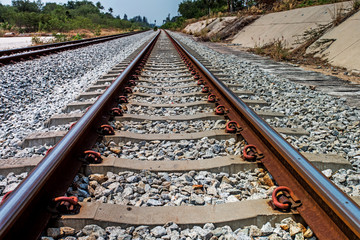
point(166, 82)
point(170, 189)
point(168, 111)
point(167, 127)
point(334, 127)
point(171, 150)
point(167, 91)
point(172, 231)
point(10, 182)
point(32, 91)
point(165, 99)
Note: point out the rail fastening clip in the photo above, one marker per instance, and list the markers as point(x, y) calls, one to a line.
point(283, 198)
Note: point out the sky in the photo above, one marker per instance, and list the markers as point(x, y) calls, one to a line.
point(152, 9)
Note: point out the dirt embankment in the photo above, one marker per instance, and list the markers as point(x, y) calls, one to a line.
point(325, 32)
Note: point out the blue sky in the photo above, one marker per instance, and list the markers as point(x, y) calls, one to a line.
point(152, 9)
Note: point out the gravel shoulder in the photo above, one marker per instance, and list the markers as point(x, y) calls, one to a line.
point(18, 42)
point(32, 91)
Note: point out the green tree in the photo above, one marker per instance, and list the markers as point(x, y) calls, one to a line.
point(33, 16)
point(145, 20)
point(27, 6)
point(99, 6)
point(192, 9)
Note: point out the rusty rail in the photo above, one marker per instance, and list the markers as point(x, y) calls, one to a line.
point(25, 213)
point(36, 51)
point(329, 212)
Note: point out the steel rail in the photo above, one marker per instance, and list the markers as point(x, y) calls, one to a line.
point(25, 213)
point(53, 48)
point(33, 48)
point(329, 212)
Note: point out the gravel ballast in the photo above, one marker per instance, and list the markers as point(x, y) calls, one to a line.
point(9, 182)
point(172, 189)
point(167, 127)
point(334, 127)
point(287, 229)
point(167, 91)
point(166, 82)
point(171, 150)
point(167, 111)
point(166, 99)
point(34, 90)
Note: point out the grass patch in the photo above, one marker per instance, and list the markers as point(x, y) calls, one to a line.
point(275, 50)
point(203, 34)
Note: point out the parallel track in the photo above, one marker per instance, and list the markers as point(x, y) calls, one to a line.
point(328, 211)
point(21, 54)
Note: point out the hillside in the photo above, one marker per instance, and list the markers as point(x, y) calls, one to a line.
point(320, 35)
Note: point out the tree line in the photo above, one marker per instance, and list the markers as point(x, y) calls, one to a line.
point(35, 16)
point(198, 8)
point(189, 9)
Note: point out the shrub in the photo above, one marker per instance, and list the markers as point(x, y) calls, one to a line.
point(59, 37)
point(77, 37)
point(275, 50)
point(36, 40)
point(356, 5)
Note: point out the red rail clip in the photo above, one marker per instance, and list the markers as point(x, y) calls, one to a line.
point(220, 110)
point(127, 90)
point(251, 153)
point(197, 77)
point(5, 197)
point(67, 205)
point(200, 82)
point(212, 98)
point(92, 157)
point(134, 77)
point(123, 99)
point(288, 199)
point(72, 125)
point(49, 150)
point(106, 130)
point(193, 72)
point(232, 127)
point(132, 83)
point(205, 89)
point(116, 112)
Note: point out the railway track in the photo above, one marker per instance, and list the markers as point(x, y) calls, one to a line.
point(176, 145)
point(21, 54)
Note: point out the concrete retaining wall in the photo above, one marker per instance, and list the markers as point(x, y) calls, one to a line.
point(288, 26)
point(341, 45)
